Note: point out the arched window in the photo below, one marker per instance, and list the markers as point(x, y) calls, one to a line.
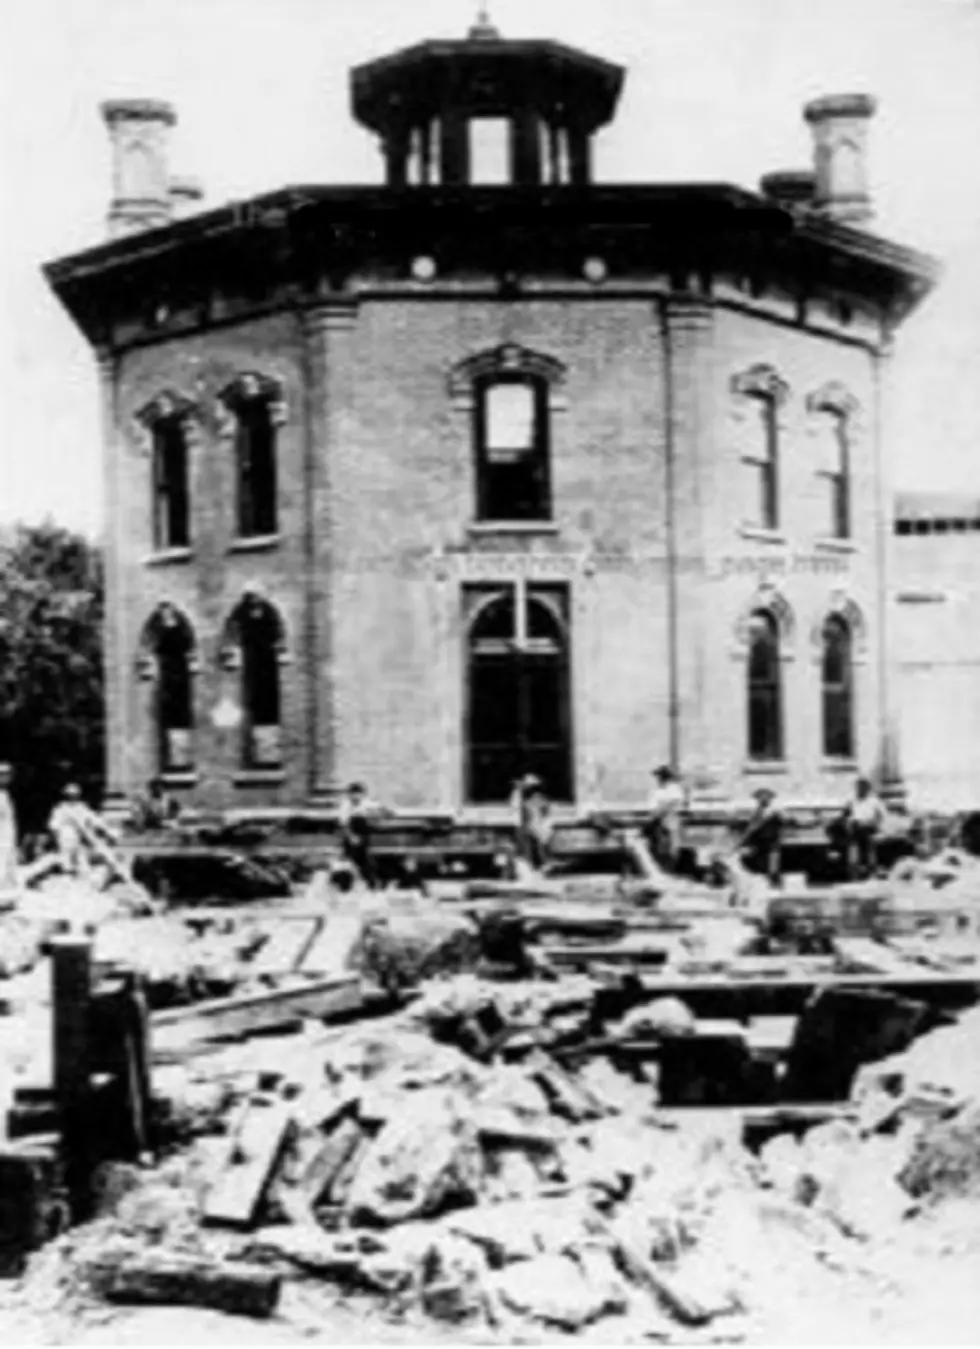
point(763, 394)
point(518, 691)
point(168, 423)
point(168, 644)
point(260, 634)
point(837, 686)
point(513, 478)
point(764, 687)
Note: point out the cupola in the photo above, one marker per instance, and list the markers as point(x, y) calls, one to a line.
point(486, 111)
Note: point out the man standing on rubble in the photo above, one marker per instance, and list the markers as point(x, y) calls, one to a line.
point(864, 817)
point(76, 829)
point(534, 823)
point(356, 816)
point(761, 845)
point(664, 825)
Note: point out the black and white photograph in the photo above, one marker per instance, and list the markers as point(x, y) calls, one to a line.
point(490, 672)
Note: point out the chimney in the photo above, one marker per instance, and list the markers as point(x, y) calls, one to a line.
point(139, 129)
point(839, 125)
point(186, 195)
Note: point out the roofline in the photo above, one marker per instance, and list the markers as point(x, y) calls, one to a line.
point(226, 219)
point(454, 47)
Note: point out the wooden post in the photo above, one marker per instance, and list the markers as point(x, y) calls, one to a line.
point(71, 975)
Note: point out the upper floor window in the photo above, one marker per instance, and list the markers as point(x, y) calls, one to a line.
point(833, 410)
point(167, 426)
point(513, 479)
point(257, 412)
point(763, 393)
point(511, 395)
point(171, 495)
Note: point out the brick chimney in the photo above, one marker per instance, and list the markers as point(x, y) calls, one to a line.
point(839, 125)
point(139, 129)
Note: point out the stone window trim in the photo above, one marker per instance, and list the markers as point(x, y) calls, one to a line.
point(507, 360)
point(255, 543)
point(259, 777)
point(163, 557)
point(168, 404)
point(176, 778)
point(247, 387)
point(770, 600)
point(230, 648)
point(480, 528)
point(761, 380)
point(843, 606)
point(166, 614)
point(835, 398)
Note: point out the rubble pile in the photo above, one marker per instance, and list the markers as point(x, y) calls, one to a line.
point(449, 1163)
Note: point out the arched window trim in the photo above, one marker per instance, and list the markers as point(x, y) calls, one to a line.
point(761, 380)
point(773, 601)
point(251, 387)
point(844, 607)
point(506, 362)
point(165, 615)
point(833, 396)
point(230, 648)
point(167, 405)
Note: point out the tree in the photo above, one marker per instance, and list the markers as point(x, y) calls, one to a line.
point(52, 727)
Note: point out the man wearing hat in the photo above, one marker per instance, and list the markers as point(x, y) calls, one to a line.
point(74, 826)
point(357, 812)
point(664, 824)
point(8, 836)
point(761, 844)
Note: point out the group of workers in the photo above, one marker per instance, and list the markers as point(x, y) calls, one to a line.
point(853, 833)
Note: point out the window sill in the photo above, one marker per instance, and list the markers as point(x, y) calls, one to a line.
point(762, 768)
point(479, 527)
point(259, 777)
point(179, 778)
point(758, 534)
point(163, 556)
point(833, 545)
point(255, 543)
point(838, 765)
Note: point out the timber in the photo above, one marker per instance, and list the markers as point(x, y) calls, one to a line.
point(172, 1279)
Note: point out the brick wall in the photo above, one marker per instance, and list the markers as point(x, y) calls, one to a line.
point(369, 580)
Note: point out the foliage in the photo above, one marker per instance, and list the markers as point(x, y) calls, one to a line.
point(51, 677)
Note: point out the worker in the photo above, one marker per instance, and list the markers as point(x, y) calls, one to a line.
point(760, 847)
point(156, 809)
point(74, 826)
point(864, 817)
point(534, 823)
point(8, 836)
point(356, 816)
point(663, 826)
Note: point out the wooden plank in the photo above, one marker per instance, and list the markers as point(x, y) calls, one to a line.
point(254, 1151)
point(287, 942)
point(181, 1030)
point(171, 1278)
point(326, 1164)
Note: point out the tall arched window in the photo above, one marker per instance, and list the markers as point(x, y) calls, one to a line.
point(837, 687)
point(255, 644)
point(518, 691)
point(765, 709)
point(168, 645)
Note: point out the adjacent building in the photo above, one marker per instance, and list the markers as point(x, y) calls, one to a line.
point(491, 467)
